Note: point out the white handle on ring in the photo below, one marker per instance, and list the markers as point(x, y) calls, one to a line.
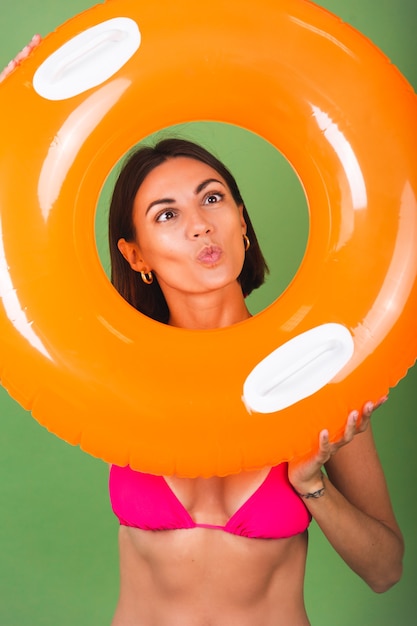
point(298, 368)
point(88, 59)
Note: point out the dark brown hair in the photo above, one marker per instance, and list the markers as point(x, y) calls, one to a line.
point(149, 299)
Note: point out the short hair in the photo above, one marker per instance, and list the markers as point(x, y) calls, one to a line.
point(149, 299)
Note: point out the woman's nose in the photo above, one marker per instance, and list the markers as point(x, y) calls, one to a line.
point(199, 224)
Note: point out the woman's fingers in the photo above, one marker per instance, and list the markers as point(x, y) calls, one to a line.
point(351, 426)
point(367, 411)
point(304, 473)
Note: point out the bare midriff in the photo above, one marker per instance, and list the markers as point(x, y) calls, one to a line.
point(208, 577)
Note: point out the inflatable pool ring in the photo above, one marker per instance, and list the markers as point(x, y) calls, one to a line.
point(128, 389)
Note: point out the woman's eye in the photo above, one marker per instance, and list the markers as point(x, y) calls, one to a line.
point(165, 216)
point(212, 198)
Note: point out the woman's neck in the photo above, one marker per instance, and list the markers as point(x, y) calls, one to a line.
point(216, 309)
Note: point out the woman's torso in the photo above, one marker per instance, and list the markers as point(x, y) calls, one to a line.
point(208, 576)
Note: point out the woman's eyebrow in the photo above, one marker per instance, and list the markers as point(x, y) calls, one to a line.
point(204, 184)
point(198, 189)
point(161, 201)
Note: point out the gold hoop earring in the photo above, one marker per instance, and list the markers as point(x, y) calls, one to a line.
point(147, 277)
point(246, 242)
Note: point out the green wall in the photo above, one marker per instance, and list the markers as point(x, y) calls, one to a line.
point(58, 538)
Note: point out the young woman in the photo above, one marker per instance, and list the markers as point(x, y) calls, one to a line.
point(232, 550)
point(225, 551)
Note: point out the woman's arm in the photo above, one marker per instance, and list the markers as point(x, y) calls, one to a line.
point(355, 511)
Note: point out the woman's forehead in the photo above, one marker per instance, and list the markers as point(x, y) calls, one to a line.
point(176, 175)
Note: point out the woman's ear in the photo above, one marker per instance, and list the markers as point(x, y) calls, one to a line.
point(131, 252)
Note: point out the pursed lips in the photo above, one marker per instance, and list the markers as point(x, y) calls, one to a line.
point(210, 255)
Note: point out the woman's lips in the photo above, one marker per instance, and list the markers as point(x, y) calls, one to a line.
point(210, 255)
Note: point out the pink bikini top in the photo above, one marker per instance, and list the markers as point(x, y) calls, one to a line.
point(144, 501)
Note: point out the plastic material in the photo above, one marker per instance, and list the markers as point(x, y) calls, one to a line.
point(88, 59)
point(129, 390)
point(298, 369)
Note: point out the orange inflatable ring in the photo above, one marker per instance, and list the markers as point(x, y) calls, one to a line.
point(129, 390)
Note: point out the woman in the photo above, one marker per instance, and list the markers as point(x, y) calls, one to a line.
point(230, 550)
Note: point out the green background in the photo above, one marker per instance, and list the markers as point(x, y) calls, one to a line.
point(58, 537)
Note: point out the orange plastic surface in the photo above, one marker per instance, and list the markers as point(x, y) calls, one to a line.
point(129, 390)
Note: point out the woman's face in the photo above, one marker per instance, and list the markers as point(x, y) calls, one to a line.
point(189, 229)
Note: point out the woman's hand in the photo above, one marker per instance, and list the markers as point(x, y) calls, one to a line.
point(305, 474)
point(355, 514)
point(23, 54)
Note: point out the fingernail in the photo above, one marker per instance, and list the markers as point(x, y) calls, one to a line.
point(324, 434)
point(369, 407)
point(381, 401)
